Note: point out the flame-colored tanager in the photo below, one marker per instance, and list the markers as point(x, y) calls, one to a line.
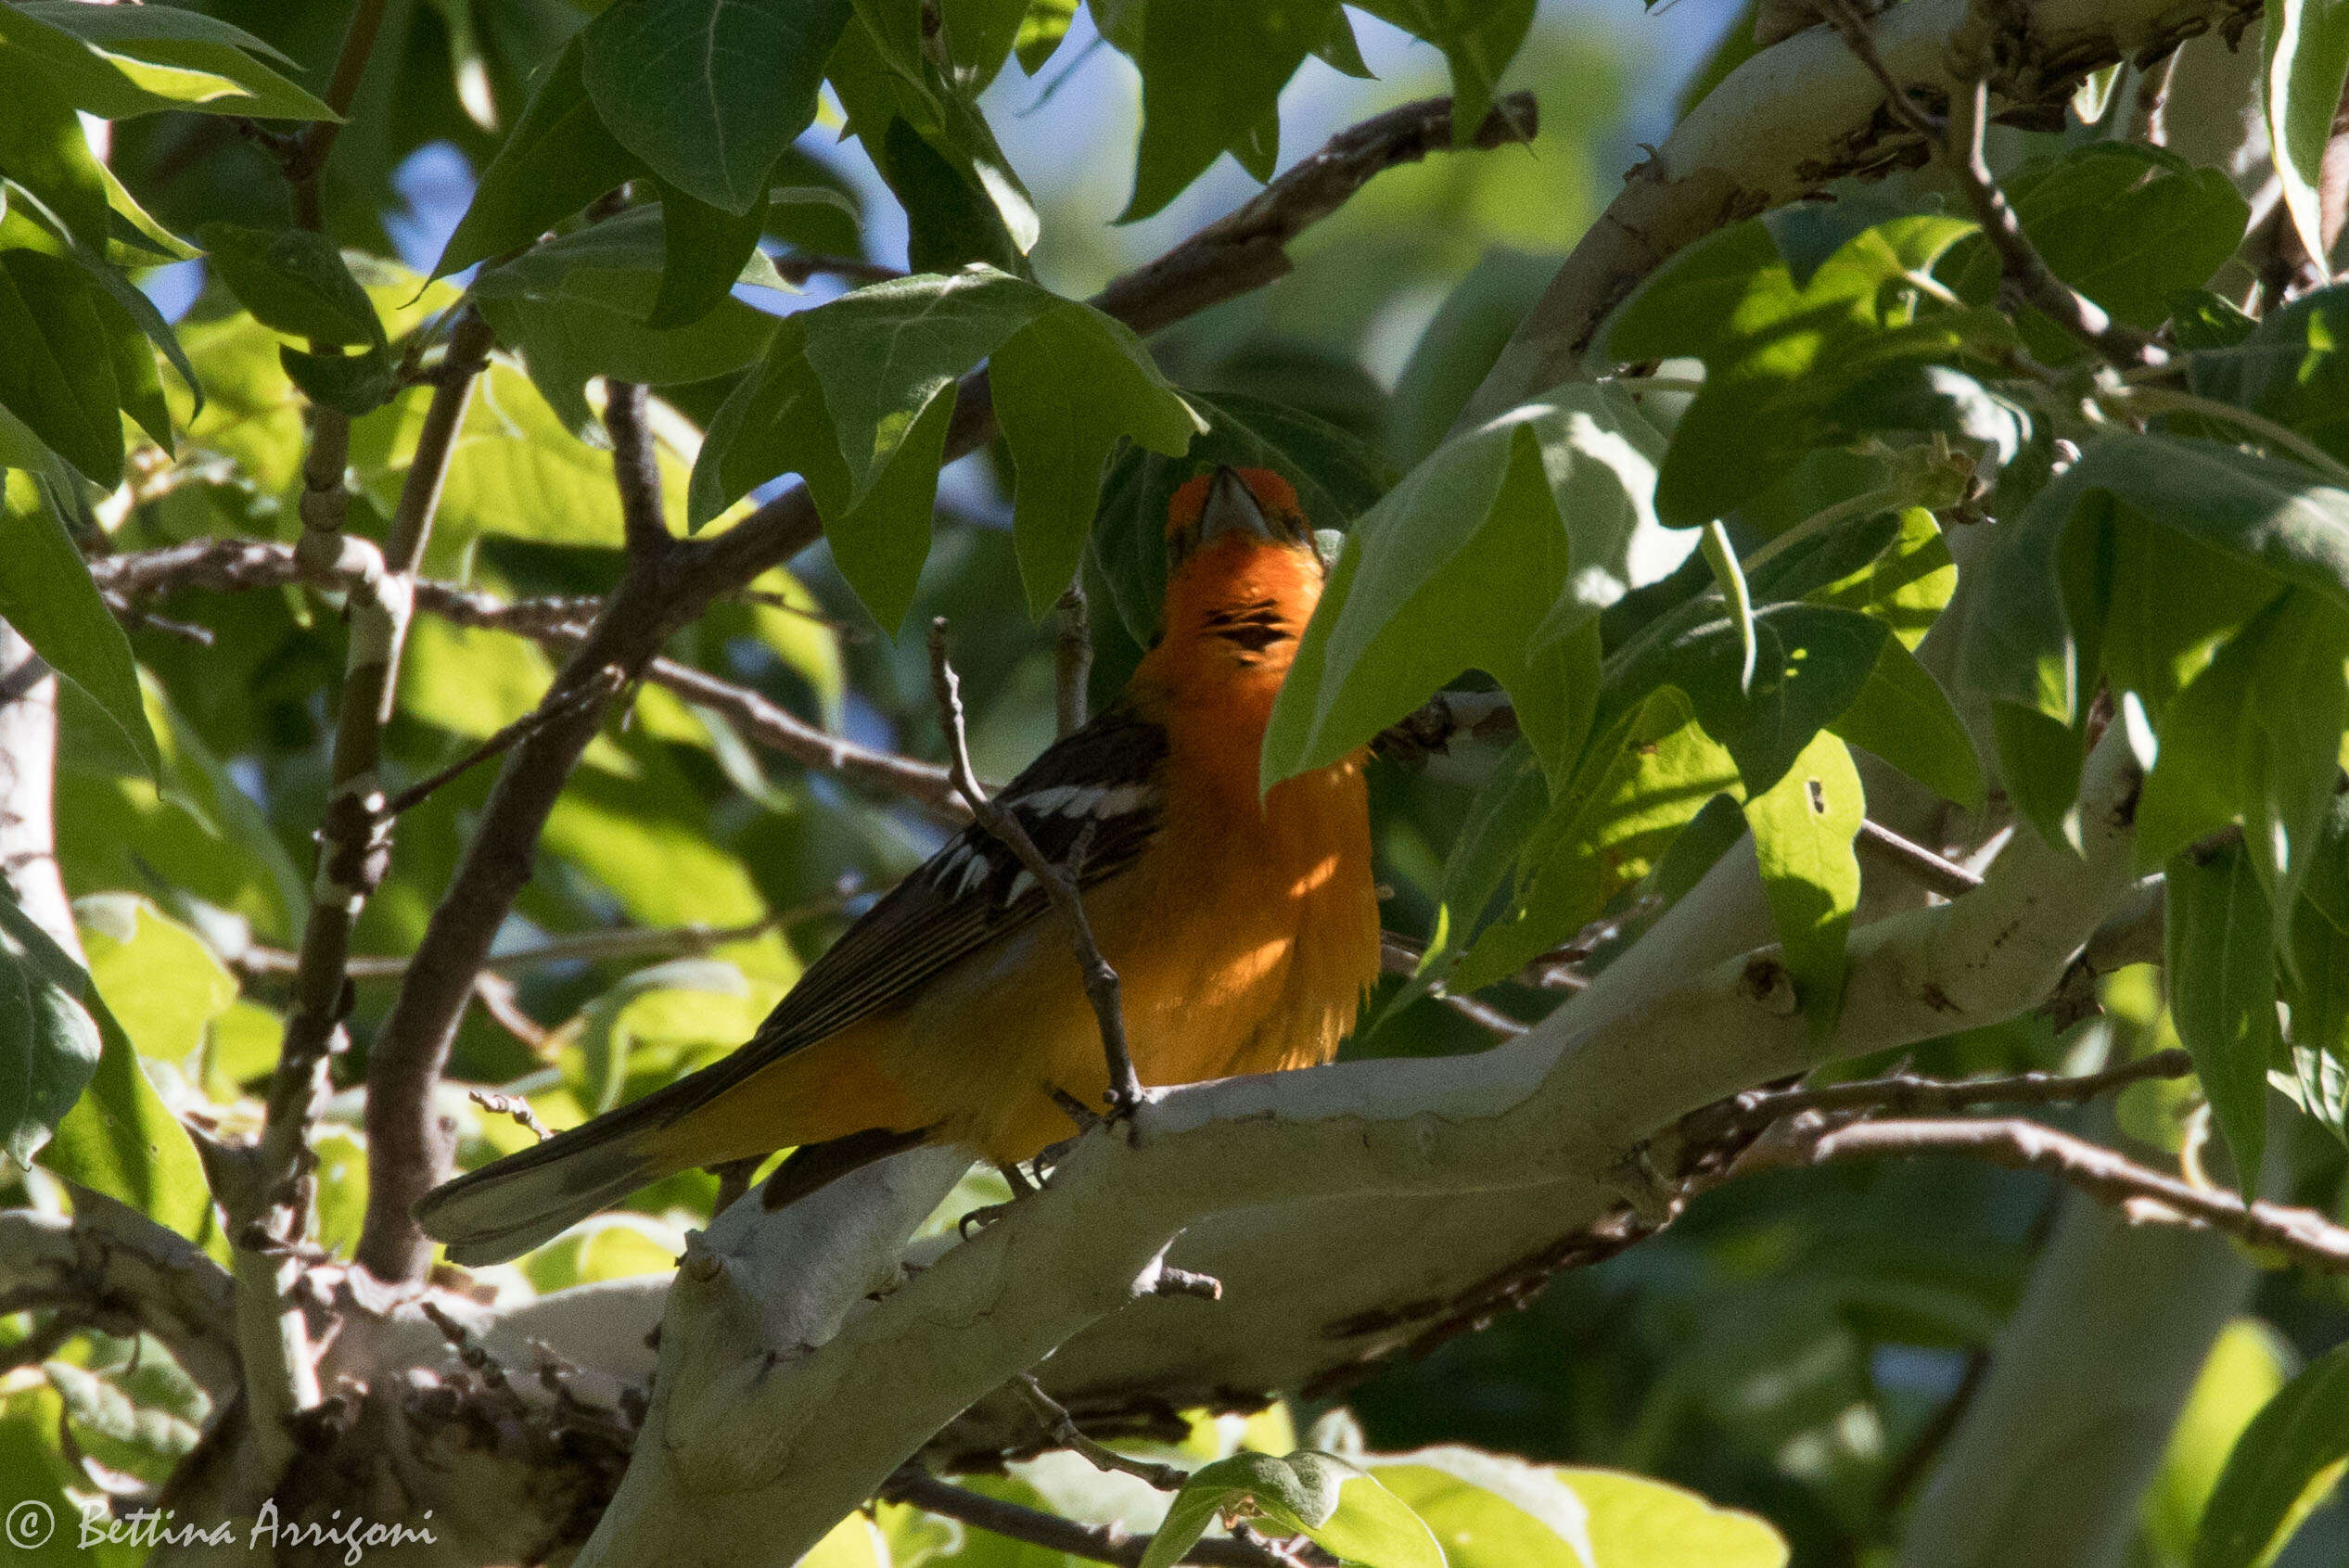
point(1243, 925)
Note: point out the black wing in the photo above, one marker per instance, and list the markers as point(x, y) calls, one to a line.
point(1105, 776)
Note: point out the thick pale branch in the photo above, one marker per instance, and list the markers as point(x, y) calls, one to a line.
point(1804, 111)
point(123, 1273)
point(1559, 1112)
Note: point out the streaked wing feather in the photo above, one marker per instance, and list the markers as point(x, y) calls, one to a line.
point(973, 891)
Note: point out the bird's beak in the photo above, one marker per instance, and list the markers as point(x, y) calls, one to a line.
point(1230, 508)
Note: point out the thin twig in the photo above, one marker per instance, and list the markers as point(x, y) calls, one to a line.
point(1072, 659)
point(512, 1106)
point(232, 564)
point(1059, 884)
point(502, 1002)
point(1913, 860)
point(1960, 143)
point(1400, 955)
point(2143, 1195)
point(1062, 1429)
point(1907, 1094)
point(582, 947)
point(1096, 1542)
point(423, 789)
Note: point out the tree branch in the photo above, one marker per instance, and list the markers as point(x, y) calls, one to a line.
point(123, 1273)
point(2143, 1195)
point(748, 1426)
point(2028, 274)
point(1804, 112)
point(354, 850)
point(1907, 1094)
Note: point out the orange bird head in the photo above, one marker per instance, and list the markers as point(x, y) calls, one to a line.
point(1242, 581)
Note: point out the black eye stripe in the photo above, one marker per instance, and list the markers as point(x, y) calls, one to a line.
point(1255, 636)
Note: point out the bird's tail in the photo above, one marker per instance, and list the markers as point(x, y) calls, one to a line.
point(833, 1094)
point(510, 1206)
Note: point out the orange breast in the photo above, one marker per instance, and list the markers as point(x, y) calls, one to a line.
point(1243, 940)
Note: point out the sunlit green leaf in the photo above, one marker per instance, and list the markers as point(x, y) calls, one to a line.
point(2304, 57)
point(1777, 355)
point(1456, 568)
point(47, 594)
point(163, 984)
point(1803, 827)
point(2285, 1462)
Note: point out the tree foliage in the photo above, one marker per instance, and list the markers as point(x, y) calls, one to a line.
point(1835, 528)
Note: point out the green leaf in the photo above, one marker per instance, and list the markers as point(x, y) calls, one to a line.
point(46, 593)
point(1815, 661)
point(119, 1138)
point(1803, 827)
point(56, 361)
point(171, 51)
point(2289, 367)
point(1488, 1511)
point(1211, 72)
point(112, 84)
point(1905, 584)
point(709, 93)
point(705, 248)
point(162, 982)
point(1504, 814)
point(1456, 569)
point(1041, 32)
point(577, 307)
point(1639, 784)
point(2203, 320)
point(979, 35)
point(557, 159)
point(933, 147)
point(2220, 963)
point(1331, 1502)
point(41, 149)
point(711, 991)
point(2315, 983)
point(855, 397)
point(1637, 1522)
point(1778, 355)
point(1460, 347)
point(48, 1043)
point(2274, 514)
point(2304, 57)
point(1336, 479)
point(356, 384)
point(2255, 738)
point(1478, 38)
point(1066, 389)
point(517, 472)
point(2039, 761)
point(294, 281)
point(2247, 1365)
point(2126, 224)
point(1903, 716)
point(2284, 1463)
